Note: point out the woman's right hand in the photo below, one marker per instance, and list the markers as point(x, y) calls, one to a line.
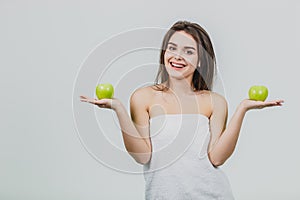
point(102, 103)
point(248, 104)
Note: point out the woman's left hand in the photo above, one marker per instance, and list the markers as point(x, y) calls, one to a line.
point(102, 103)
point(252, 104)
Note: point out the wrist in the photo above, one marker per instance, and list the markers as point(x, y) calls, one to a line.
point(242, 107)
point(117, 106)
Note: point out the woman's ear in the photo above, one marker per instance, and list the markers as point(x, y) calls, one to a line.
point(199, 64)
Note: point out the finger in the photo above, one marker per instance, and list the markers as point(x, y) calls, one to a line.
point(280, 102)
point(99, 102)
point(83, 97)
point(93, 101)
point(103, 101)
point(86, 100)
point(269, 104)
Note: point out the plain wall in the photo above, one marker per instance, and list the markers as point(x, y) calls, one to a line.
point(43, 45)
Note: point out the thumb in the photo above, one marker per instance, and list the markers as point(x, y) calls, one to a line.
point(104, 101)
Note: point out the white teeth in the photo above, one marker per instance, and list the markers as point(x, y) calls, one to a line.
point(177, 65)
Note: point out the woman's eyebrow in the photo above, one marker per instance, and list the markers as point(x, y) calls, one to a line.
point(186, 47)
point(172, 43)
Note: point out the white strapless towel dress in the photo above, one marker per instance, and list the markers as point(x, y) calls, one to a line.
point(179, 168)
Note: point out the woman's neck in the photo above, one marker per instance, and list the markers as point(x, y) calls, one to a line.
point(180, 87)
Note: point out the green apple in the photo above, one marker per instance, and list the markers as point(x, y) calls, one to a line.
point(258, 93)
point(105, 91)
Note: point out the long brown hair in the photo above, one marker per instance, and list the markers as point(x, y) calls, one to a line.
point(204, 74)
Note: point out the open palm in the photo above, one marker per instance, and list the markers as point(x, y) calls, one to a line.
point(251, 104)
point(102, 103)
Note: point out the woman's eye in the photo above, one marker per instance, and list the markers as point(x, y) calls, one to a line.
point(172, 48)
point(189, 52)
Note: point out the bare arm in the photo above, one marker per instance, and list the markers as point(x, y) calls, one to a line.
point(135, 131)
point(224, 140)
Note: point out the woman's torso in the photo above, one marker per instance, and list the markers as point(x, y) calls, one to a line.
point(179, 134)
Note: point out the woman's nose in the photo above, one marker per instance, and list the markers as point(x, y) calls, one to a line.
point(178, 56)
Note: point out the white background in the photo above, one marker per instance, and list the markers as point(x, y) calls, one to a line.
point(43, 43)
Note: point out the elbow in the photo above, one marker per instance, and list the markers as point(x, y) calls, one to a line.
point(216, 162)
point(142, 159)
point(141, 156)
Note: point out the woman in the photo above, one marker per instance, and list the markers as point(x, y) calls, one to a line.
point(194, 121)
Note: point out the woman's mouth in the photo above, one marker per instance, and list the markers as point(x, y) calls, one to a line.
point(177, 66)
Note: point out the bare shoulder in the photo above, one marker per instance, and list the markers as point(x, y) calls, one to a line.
point(142, 96)
point(218, 100)
point(143, 92)
point(218, 97)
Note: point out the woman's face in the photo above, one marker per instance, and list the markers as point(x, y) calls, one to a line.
point(181, 56)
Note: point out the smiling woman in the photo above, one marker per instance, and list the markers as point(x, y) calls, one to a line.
point(176, 50)
point(177, 129)
point(194, 43)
